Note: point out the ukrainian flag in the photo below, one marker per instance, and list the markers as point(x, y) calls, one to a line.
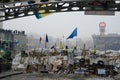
point(37, 14)
point(42, 15)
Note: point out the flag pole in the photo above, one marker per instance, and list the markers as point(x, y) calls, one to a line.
point(40, 41)
point(76, 43)
point(45, 44)
point(39, 44)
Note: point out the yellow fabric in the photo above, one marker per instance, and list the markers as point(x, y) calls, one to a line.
point(44, 15)
point(94, 50)
point(41, 11)
point(61, 46)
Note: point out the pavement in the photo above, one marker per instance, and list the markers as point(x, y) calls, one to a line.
point(52, 77)
point(9, 73)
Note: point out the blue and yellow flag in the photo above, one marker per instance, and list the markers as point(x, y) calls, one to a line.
point(37, 13)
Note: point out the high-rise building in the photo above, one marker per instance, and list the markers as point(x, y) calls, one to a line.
point(20, 40)
point(106, 41)
point(102, 26)
point(13, 41)
point(1, 23)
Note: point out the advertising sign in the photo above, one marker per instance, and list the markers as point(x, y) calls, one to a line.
point(100, 13)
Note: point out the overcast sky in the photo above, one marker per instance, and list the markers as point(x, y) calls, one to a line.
point(59, 24)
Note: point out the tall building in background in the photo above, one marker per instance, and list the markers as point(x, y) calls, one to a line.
point(102, 26)
point(13, 41)
point(20, 41)
point(104, 41)
point(1, 23)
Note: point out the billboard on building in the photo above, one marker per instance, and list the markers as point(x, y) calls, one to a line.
point(100, 13)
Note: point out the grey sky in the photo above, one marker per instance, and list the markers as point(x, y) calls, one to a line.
point(59, 24)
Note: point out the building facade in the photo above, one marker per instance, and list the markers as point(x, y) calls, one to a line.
point(6, 39)
point(6, 42)
point(107, 42)
point(20, 39)
point(12, 41)
point(1, 23)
